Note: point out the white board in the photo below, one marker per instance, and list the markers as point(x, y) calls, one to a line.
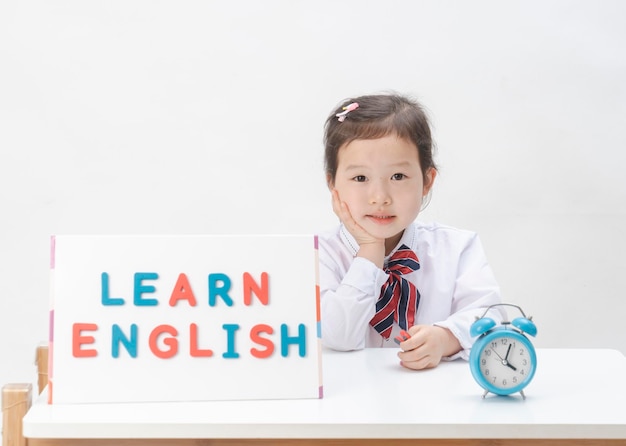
point(184, 318)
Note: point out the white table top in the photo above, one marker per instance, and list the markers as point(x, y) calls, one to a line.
point(576, 393)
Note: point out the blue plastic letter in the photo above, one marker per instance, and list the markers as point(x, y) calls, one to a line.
point(230, 339)
point(140, 289)
point(215, 290)
point(286, 340)
point(118, 337)
point(106, 300)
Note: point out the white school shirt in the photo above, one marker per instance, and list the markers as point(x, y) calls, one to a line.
point(454, 280)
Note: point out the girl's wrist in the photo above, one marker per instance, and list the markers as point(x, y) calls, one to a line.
point(449, 341)
point(374, 252)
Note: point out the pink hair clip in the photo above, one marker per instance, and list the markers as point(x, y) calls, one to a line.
point(347, 109)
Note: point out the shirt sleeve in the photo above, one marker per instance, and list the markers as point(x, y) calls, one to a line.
point(348, 302)
point(475, 289)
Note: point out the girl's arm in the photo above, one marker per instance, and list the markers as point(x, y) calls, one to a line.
point(349, 287)
point(475, 289)
point(348, 302)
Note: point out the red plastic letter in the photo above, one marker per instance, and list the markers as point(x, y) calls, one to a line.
point(267, 343)
point(182, 291)
point(171, 342)
point(193, 347)
point(250, 286)
point(78, 339)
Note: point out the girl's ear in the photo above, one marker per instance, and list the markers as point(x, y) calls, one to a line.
point(429, 180)
point(329, 182)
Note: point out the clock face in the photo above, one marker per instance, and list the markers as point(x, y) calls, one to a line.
point(506, 361)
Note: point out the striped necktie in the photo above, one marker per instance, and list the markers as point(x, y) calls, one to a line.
point(399, 298)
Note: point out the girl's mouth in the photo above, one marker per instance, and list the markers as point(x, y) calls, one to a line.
point(381, 219)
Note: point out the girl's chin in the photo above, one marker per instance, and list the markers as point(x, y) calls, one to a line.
point(383, 233)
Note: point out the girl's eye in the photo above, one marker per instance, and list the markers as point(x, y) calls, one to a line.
point(359, 178)
point(398, 176)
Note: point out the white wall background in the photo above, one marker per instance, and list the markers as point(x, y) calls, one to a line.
point(196, 116)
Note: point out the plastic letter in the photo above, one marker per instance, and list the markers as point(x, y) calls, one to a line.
point(264, 342)
point(231, 329)
point(286, 340)
point(106, 300)
point(182, 291)
point(171, 341)
point(215, 290)
point(194, 351)
point(250, 286)
point(78, 340)
point(140, 289)
point(118, 337)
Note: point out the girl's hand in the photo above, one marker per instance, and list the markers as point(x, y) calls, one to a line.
point(426, 346)
point(370, 247)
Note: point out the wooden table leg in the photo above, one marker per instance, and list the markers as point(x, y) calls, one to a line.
point(16, 400)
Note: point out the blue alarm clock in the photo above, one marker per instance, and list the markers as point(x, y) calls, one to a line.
point(503, 360)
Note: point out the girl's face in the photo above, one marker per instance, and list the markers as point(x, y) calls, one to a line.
point(382, 183)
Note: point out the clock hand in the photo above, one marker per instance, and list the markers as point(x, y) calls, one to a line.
point(509, 365)
point(501, 359)
point(508, 351)
point(505, 361)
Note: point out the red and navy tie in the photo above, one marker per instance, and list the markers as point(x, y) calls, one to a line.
point(399, 298)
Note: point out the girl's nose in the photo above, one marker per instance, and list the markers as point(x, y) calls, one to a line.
point(379, 194)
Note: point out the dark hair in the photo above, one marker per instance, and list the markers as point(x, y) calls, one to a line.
point(378, 116)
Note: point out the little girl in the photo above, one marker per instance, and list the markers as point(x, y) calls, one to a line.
point(384, 276)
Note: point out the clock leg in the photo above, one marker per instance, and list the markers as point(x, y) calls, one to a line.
point(523, 396)
point(485, 394)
